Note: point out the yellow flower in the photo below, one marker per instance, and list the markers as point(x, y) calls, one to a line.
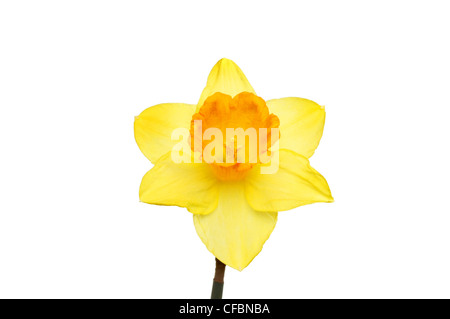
point(234, 206)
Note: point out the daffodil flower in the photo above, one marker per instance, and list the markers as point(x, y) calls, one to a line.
point(234, 206)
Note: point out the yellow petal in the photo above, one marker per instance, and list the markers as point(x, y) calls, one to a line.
point(154, 126)
point(295, 183)
point(301, 124)
point(187, 185)
point(225, 77)
point(234, 232)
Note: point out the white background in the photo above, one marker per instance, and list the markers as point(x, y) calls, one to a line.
point(73, 74)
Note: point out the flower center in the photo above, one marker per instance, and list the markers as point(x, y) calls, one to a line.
point(233, 134)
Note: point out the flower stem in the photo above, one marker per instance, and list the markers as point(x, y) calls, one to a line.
point(217, 288)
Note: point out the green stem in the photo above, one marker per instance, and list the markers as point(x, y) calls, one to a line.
point(217, 288)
